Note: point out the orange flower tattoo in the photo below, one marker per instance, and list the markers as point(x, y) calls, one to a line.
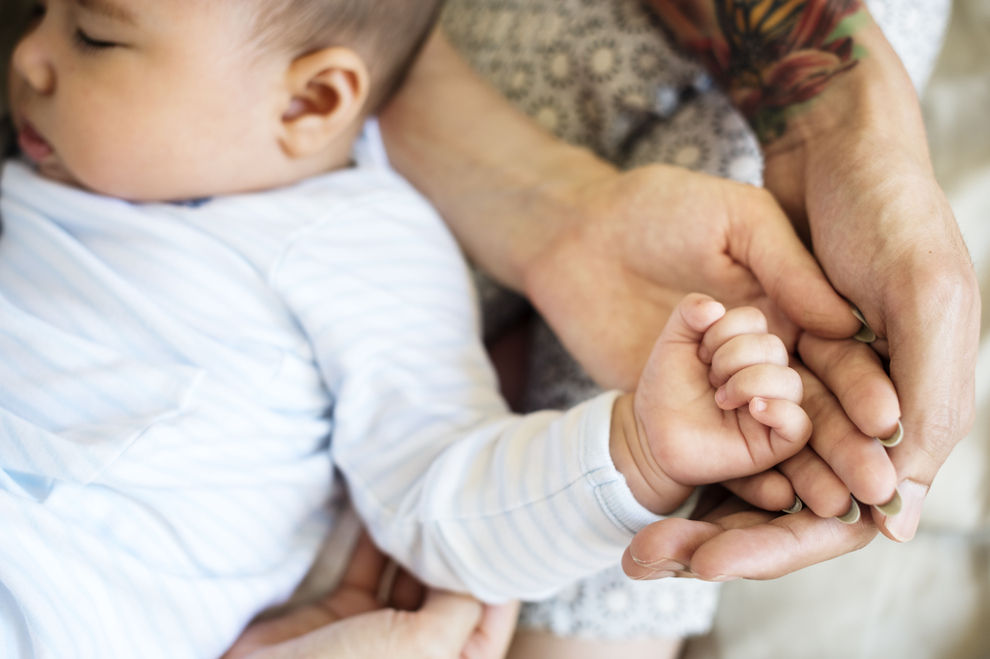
point(771, 55)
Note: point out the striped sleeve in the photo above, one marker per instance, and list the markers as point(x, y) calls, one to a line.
point(466, 495)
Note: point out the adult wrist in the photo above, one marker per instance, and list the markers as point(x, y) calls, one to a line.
point(874, 99)
point(557, 205)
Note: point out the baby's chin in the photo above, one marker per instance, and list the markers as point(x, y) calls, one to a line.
point(55, 171)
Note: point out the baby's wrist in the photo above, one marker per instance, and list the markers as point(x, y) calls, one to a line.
point(653, 489)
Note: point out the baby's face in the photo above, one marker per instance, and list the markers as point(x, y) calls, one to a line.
point(147, 99)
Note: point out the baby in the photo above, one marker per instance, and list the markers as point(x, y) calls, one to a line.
point(213, 291)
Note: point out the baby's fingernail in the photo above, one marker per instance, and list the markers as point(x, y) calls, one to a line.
point(795, 508)
point(905, 525)
point(759, 404)
point(894, 439)
point(720, 395)
point(892, 507)
point(852, 515)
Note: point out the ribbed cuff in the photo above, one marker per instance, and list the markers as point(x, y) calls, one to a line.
point(609, 484)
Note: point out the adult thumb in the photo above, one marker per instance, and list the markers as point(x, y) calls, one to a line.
point(763, 240)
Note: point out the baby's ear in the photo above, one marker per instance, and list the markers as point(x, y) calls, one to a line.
point(327, 90)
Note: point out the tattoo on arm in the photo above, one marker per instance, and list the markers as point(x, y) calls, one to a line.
point(773, 56)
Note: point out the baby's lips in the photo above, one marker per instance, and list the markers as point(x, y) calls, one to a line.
point(32, 144)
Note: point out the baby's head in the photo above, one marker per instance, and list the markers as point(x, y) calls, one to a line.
point(176, 99)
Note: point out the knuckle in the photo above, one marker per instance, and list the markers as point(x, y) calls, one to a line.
point(941, 428)
point(751, 316)
point(829, 502)
point(943, 283)
point(831, 445)
point(777, 344)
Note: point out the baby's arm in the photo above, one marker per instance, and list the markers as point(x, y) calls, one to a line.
point(716, 401)
point(461, 492)
point(464, 494)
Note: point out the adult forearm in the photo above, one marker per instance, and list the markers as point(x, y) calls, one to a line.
point(793, 67)
point(503, 184)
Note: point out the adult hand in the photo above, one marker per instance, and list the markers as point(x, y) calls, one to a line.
point(733, 540)
point(886, 237)
point(846, 156)
point(609, 276)
point(604, 255)
point(636, 242)
point(351, 622)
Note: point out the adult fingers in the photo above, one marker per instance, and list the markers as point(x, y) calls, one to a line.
point(768, 490)
point(366, 566)
point(816, 484)
point(933, 347)
point(762, 548)
point(665, 548)
point(407, 592)
point(764, 240)
point(859, 461)
point(440, 629)
point(444, 625)
point(491, 638)
point(853, 373)
point(734, 541)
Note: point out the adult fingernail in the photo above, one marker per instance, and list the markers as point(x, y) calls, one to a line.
point(865, 334)
point(852, 515)
point(894, 439)
point(667, 564)
point(796, 507)
point(662, 574)
point(905, 525)
point(892, 507)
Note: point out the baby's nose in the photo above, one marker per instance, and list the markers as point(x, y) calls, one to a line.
point(30, 62)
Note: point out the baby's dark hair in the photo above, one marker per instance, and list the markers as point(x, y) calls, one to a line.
point(387, 34)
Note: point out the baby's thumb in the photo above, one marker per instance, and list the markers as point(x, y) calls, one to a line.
point(691, 319)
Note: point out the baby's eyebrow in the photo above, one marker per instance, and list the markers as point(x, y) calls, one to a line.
point(109, 9)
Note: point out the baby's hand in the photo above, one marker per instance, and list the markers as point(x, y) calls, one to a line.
point(716, 401)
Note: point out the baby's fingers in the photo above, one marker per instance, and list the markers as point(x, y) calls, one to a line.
point(759, 381)
point(773, 430)
point(746, 350)
point(853, 373)
point(785, 419)
point(741, 320)
point(859, 461)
